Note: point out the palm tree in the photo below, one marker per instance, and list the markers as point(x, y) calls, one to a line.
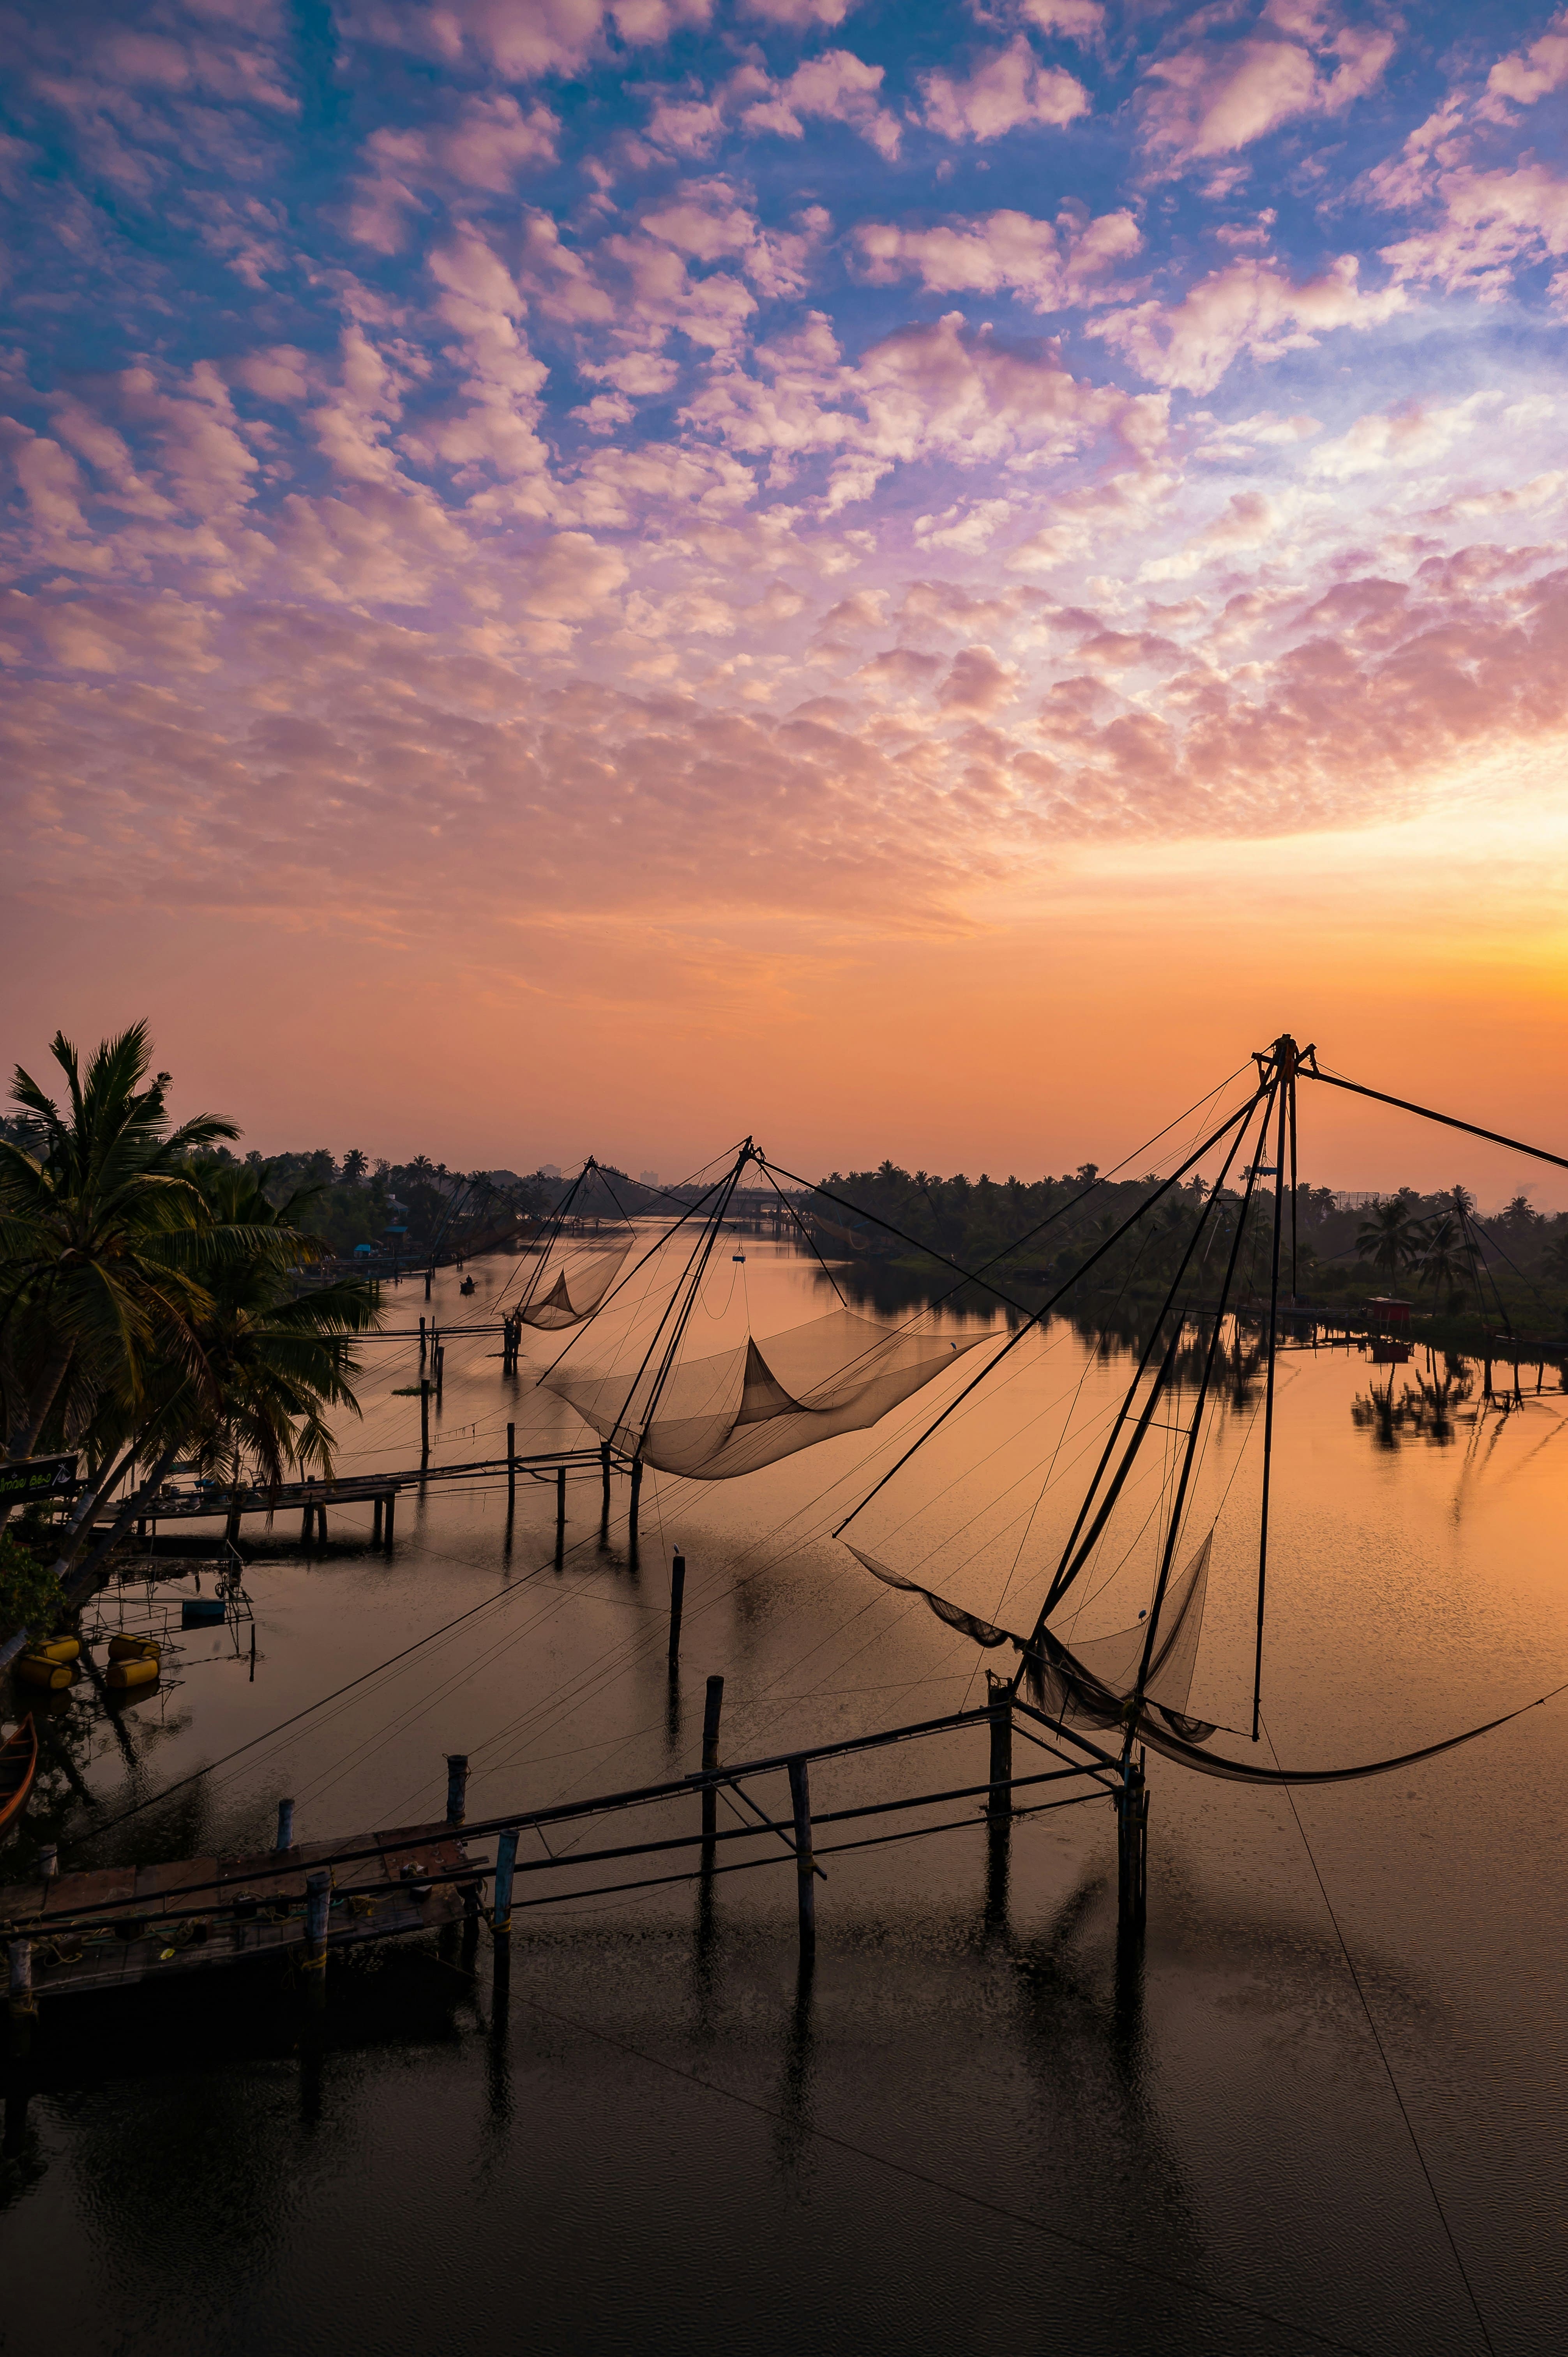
point(1387, 1238)
point(1443, 1253)
point(274, 1362)
point(98, 1234)
point(355, 1164)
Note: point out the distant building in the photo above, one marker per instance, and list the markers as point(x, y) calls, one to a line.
point(649, 1177)
point(549, 1170)
point(1356, 1199)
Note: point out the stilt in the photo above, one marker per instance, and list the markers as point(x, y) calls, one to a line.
point(510, 1471)
point(428, 1274)
point(1132, 1850)
point(677, 1600)
point(285, 1826)
point(559, 1511)
point(457, 1787)
point(711, 1709)
point(805, 1876)
point(23, 2004)
point(391, 1510)
point(424, 1422)
point(505, 1867)
point(440, 1370)
point(636, 1503)
point(999, 1801)
point(604, 1484)
point(421, 1339)
point(317, 1916)
point(376, 1523)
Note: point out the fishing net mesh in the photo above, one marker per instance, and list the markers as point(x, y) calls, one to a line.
point(574, 1282)
point(747, 1407)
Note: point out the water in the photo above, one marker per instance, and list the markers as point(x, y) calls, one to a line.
point(974, 2124)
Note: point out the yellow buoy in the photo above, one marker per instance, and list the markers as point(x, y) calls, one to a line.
point(57, 1648)
point(121, 1674)
point(37, 1670)
point(133, 1649)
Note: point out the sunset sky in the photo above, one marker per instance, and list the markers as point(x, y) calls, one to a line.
point(914, 579)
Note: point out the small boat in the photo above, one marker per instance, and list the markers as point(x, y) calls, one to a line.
point(39, 1670)
point(123, 1675)
point(18, 1765)
point(133, 1649)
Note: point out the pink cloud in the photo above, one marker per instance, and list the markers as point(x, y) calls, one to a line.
point(1491, 223)
point(1530, 74)
point(1250, 307)
point(1211, 98)
point(542, 36)
point(486, 145)
point(1052, 264)
point(837, 87)
point(1003, 91)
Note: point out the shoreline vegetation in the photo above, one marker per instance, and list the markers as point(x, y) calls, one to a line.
point(166, 1304)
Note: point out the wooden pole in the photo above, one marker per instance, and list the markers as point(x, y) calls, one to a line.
point(424, 1422)
point(421, 1339)
point(805, 1878)
point(712, 1707)
point(285, 1826)
point(512, 1469)
point(1132, 1850)
point(440, 1370)
point(999, 1801)
point(376, 1525)
point(636, 1501)
point(23, 2004)
point(604, 1482)
point(505, 1867)
point(677, 1601)
point(391, 1510)
point(318, 1917)
point(457, 1787)
point(559, 1511)
point(428, 1274)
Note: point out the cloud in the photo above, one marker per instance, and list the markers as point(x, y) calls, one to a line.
point(521, 43)
point(1002, 93)
point(834, 87)
point(1212, 98)
point(1250, 307)
point(1413, 434)
point(1078, 20)
point(1052, 264)
point(1529, 74)
point(488, 143)
point(1491, 224)
point(802, 15)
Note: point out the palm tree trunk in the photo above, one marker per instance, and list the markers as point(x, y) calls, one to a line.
point(23, 1435)
point(79, 1586)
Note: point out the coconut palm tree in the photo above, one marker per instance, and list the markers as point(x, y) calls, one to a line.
point(1442, 1250)
point(1388, 1237)
point(98, 1250)
point(275, 1362)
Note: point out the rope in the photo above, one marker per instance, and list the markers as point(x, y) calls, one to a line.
point(1382, 2057)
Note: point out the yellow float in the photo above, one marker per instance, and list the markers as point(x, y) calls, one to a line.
point(57, 1649)
point(141, 1671)
point(37, 1670)
point(134, 1649)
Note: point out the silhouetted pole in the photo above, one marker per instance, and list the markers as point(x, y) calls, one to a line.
point(711, 1706)
point(603, 1485)
point(805, 1876)
point(677, 1601)
point(424, 1422)
point(636, 1501)
point(285, 1826)
point(457, 1787)
point(510, 1470)
point(559, 1511)
point(999, 1800)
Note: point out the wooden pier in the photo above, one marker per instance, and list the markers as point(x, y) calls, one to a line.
point(115, 1927)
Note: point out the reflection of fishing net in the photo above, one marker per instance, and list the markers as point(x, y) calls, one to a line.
point(1092, 1684)
point(739, 1409)
point(574, 1281)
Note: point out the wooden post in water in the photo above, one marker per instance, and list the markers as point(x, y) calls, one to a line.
point(23, 2004)
point(440, 1370)
point(429, 1273)
point(559, 1511)
point(317, 1916)
point(510, 1471)
point(805, 1874)
point(424, 1422)
point(285, 1826)
point(711, 1706)
point(505, 1867)
point(376, 1523)
point(603, 1485)
point(1132, 1850)
point(391, 1509)
point(636, 1504)
point(421, 1339)
point(677, 1601)
point(999, 1800)
point(457, 1787)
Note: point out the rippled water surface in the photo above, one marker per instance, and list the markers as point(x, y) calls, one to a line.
point(975, 2124)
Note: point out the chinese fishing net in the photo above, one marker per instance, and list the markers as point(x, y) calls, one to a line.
point(745, 1407)
point(575, 1280)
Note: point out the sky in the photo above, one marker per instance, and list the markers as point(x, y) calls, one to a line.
point(905, 579)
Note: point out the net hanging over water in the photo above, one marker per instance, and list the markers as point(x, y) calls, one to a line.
point(1093, 1684)
point(742, 1408)
point(574, 1281)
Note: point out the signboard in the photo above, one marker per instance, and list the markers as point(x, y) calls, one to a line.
point(36, 1476)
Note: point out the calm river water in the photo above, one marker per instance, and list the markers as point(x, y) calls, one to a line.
point(972, 2126)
